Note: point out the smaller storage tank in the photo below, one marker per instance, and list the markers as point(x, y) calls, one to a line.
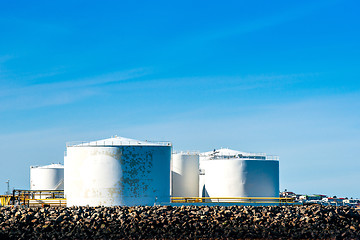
point(185, 175)
point(231, 174)
point(50, 177)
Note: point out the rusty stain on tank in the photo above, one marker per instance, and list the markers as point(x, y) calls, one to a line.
point(136, 168)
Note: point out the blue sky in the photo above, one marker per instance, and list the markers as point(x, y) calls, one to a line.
point(277, 77)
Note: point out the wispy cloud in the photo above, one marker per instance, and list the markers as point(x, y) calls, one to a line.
point(57, 93)
point(263, 22)
point(240, 28)
point(3, 71)
point(47, 94)
point(31, 25)
point(252, 82)
point(230, 83)
point(5, 58)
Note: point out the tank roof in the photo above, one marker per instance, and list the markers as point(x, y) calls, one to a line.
point(226, 153)
point(117, 141)
point(53, 165)
point(229, 152)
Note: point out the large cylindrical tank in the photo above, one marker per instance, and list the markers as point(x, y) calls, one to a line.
point(117, 171)
point(185, 175)
point(50, 177)
point(236, 177)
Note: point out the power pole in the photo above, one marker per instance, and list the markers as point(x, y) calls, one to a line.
point(8, 187)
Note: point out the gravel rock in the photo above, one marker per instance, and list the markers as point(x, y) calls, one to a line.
point(166, 222)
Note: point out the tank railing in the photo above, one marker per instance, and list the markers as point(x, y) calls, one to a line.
point(215, 154)
point(114, 143)
point(190, 152)
point(278, 200)
point(257, 157)
point(245, 157)
point(37, 197)
point(38, 194)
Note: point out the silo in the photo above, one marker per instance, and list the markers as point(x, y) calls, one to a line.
point(229, 173)
point(50, 177)
point(117, 171)
point(185, 175)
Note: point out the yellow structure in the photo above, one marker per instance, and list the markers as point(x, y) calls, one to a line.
point(259, 200)
point(34, 198)
point(5, 200)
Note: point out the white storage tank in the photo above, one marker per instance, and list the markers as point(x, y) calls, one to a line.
point(229, 173)
point(50, 177)
point(117, 171)
point(185, 175)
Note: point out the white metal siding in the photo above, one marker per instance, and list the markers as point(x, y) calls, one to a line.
point(47, 178)
point(185, 175)
point(117, 175)
point(240, 178)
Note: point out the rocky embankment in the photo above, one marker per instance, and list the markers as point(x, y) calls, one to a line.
point(297, 222)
